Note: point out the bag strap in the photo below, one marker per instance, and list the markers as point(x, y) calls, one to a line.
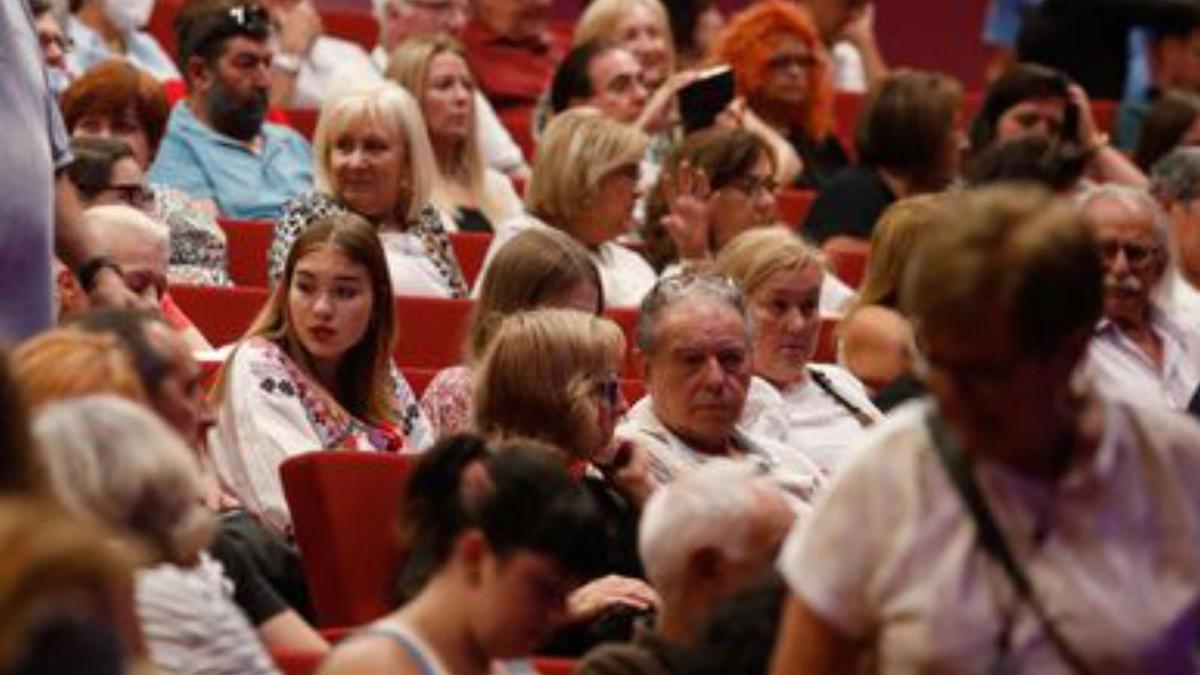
point(992, 540)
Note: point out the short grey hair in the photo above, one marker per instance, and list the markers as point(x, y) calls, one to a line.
point(115, 462)
point(676, 288)
point(1135, 198)
point(1177, 176)
point(111, 217)
point(712, 506)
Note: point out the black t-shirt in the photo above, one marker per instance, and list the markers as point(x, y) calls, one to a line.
point(822, 160)
point(849, 205)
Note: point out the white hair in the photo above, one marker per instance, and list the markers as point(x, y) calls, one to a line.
point(109, 218)
point(115, 462)
point(1134, 198)
point(712, 506)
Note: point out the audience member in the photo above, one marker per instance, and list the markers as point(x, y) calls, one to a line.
point(782, 70)
point(113, 463)
point(372, 158)
point(602, 75)
point(541, 267)
point(737, 168)
point(890, 565)
point(104, 29)
point(695, 334)
point(434, 70)
point(306, 64)
point(268, 581)
point(695, 27)
point(551, 375)
point(1171, 51)
point(217, 147)
point(68, 600)
point(117, 100)
point(54, 43)
point(104, 172)
point(513, 54)
point(875, 338)
point(738, 639)
point(1141, 350)
point(1032, 99)
point(400, 20)
point(1031, 158)
point(38, 205)
point(507, 535)
point(1174, 183)
point(315, 369)
point(19, 470)
point(1170, 123)
point(848, 29)
point(818, 407)
point(703, 538)
point(640, 26)
point(63, 364)
point(584, 183)
point(138, 244)
point(908, 143)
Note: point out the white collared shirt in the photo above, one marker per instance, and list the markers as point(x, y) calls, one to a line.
point(1122, 370)
point(670, 455)
point(331, 66)
point(805, 415)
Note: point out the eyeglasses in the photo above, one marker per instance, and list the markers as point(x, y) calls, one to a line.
point(753, 187)
point(1136, 255)
point(251, 17)
point(609, 389)
point(785, 61)
point(47, 40)
point(136, 195)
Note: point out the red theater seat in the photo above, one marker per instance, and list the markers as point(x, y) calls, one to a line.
point(303, 120)
point(431, 331)
point(344, 509)
point(221, 314)
point(793, 206)
point(470, 248)
point(419, 378)
point(357, 27)
point(848, 258)
point(551, 666)
point(296, 661)
point(248, 242)
point(826, 342)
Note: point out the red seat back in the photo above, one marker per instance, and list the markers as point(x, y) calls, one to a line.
point(627, 318)
point(248, 242)
point(221, 314)
point(848, 258)
point(304, 121)
point(792, 206)
point(826, 342)
point(552, 666)
point(419, 378)
point(344, 509)
point(470, 248)
point(296, 661)
point(432, 331)
point(355, 26)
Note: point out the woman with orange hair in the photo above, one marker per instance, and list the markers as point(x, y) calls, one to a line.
point(782, 71)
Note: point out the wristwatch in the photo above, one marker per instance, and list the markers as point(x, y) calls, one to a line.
point(286, 62)
point(89, 270)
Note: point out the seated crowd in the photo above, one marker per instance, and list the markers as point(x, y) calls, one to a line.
point(942, 419)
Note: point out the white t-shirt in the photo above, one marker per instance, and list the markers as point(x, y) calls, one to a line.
point(331, 66)
point(848, 72)
point(624, 274)
point(806, 416)
point(889, 553)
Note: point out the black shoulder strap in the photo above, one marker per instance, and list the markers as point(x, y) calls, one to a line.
point(826, 386)
point(992, 539)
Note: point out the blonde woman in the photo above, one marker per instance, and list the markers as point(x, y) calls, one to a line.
point(434, 70)
point(372, 158)
point(541, 267)
point(585, 183)
point(820, 408)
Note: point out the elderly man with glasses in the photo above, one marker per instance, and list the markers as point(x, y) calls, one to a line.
point(1141, 349)
point(695, 333)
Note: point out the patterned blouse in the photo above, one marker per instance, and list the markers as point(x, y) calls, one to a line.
point(447, 401)
point(420, 258)
point(199, 254)
point(271, 411)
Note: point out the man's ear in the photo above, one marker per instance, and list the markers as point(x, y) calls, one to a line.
point(471, 550)
point(706, 565)
point(198, 73)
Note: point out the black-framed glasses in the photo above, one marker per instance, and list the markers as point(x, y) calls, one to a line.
point(609, 389)
point(785, 61)
point(753, 187)
point(1137, 255)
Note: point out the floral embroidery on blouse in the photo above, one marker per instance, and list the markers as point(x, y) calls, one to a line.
point(278, 375)
point(199, 252)
point(302, 212)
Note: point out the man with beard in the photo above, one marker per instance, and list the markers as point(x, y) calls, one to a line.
point(1141, 351)
point(217, 147)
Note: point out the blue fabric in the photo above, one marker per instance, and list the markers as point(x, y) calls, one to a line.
point(244, 183)
point(1003, 21)
point(142, 50)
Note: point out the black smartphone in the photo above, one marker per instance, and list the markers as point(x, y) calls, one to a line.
point(701, 101)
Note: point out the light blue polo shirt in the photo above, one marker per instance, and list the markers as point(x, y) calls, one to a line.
point(142, 50)
point(244, 183)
